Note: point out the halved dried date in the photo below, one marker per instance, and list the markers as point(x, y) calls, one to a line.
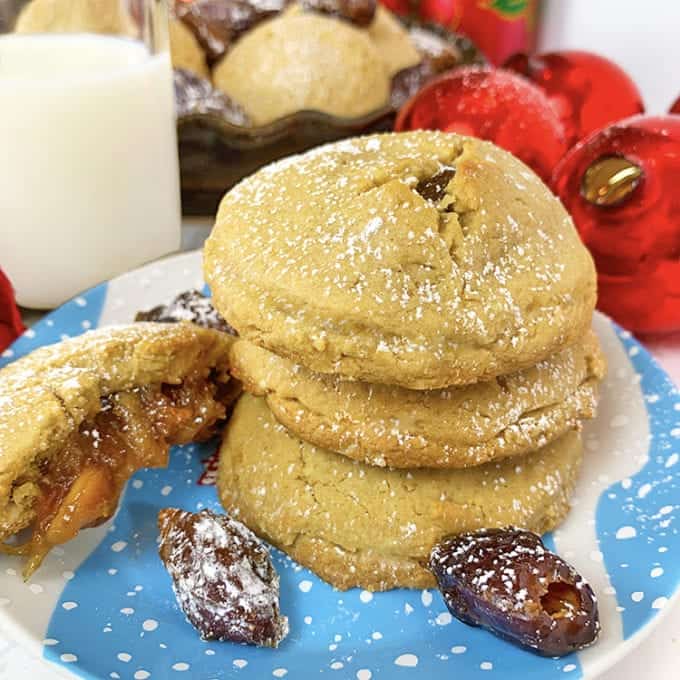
point(222, 576)
point(191, 306)
point(357, 12)
point(508, 582)
point(434, 188)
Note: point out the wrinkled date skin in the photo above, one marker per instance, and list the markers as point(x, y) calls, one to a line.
point(222, 576)
point(508, 582)
point(195, 95)
point(190, 306)
point(357, 12)
point(217, 24)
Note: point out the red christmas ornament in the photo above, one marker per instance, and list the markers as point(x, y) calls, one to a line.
point(492, 104)
point(587, 90)
point(676, 107)
point(10, 320)
point(620, 185)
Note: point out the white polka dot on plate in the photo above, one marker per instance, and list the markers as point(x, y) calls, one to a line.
point(150, 625)
point(118, 546)
point(124, 657)
point(68, 658)
point(280, 672)
point(637, 596)
point(141, 674)
point(240, 663)
point(626, 532)
point(128, 611)
point(305, 586)
point(486, 665)
point(337, 665)
point(69, 605)
point(407, 660)
point(459, 649)
point(659, 603)
point(443, 619)
point(180, 666)
point(364, 674)
point(426, 598)
point(365, 596)
point(656, 572)
point(308, 620)
point(569, 668)
point(644, 490)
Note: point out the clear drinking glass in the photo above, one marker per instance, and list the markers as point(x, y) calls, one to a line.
point(89, 177)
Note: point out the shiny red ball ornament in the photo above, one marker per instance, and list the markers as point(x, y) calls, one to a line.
point(492, 104)
point(588, 91)
point(621, 187)
point(11, 326)
point(676, 107)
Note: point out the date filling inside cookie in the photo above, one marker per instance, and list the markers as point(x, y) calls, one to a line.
point(80, 486)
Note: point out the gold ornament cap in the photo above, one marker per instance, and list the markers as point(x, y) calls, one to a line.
point(610, 180)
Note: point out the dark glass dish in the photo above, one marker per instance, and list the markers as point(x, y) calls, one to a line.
point(217, 149)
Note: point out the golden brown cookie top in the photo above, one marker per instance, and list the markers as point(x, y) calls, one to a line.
point(420, 259)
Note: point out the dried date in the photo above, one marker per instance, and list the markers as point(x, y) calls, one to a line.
point(357, 12)
point(190, 306)
point(508, 582)
point(222, 576)
point(217, 24)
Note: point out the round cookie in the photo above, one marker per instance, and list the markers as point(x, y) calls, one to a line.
point(357, 525)
point(420, 259)
point(79, 417)
point(297, 62)
point(185, 50)
point(450, 428)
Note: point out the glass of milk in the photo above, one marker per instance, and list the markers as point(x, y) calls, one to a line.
point(89, 177)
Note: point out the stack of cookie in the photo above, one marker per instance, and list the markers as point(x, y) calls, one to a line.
point(414, 314)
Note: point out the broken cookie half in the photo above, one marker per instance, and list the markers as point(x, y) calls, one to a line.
point(78, 418)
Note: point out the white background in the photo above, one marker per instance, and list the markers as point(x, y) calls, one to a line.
point(644, 38)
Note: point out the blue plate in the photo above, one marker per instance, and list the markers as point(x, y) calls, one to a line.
point(102, 606)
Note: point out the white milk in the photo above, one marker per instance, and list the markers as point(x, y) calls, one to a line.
point(89, 180)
